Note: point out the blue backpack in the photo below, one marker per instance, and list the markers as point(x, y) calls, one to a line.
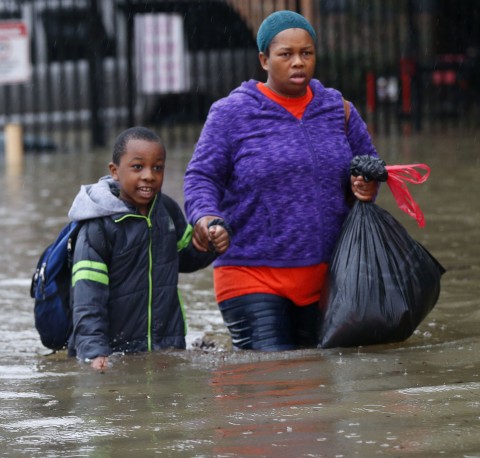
point(50, 288)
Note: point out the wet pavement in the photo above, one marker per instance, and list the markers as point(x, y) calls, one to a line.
point(419, 398)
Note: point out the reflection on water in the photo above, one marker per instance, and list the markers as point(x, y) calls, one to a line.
point(416, 398)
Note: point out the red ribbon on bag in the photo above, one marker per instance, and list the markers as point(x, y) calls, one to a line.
point(398, 175)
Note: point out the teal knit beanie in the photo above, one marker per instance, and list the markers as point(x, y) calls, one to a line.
point(278, 22)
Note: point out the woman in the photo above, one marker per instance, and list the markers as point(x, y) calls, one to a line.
point(272, 163)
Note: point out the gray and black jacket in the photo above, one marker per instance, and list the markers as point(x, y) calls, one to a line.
point(125, 273)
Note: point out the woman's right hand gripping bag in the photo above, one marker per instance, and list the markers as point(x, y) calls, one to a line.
point(382, 283)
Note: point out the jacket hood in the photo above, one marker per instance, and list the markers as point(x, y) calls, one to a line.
point(250, 88)
point(97, 200)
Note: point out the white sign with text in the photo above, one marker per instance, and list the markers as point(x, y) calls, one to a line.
point(161, 55)
point(15, 64)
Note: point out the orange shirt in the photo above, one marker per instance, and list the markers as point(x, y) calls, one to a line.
point(301, 285)
point(295, 105)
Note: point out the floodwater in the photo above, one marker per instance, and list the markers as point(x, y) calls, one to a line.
point(417, 398)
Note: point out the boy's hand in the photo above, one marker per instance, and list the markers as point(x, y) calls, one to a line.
point(219, 238)
point(100, 363)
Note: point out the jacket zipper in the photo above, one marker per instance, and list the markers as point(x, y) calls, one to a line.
point(150, 285)
point(150, 267)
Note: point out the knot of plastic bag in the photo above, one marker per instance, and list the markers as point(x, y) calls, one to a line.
point(369, 167)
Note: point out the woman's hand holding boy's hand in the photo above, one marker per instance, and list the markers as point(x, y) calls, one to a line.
point(206, 235)
point(363, 190)
point(200, 237)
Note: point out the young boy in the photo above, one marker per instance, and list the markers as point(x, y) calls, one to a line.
point(129, 252)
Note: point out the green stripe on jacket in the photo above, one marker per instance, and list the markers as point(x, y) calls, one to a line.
point(90, 270)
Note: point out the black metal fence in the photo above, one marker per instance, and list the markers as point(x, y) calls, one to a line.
point(88, 67)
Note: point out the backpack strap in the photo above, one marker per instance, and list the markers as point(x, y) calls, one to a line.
point(173, 211)
point(346, 106)
point(103, 248)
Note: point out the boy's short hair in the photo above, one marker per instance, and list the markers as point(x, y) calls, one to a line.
point(133, 133)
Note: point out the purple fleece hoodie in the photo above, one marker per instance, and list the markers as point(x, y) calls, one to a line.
point(278, 181)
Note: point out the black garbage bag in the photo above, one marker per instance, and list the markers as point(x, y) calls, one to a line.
point(381, 283)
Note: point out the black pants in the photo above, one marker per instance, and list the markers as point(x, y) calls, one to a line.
point(269, 323)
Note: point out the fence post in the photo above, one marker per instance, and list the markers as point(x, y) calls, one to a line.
point(130, 69)
point(96, 80)
point(411, 74)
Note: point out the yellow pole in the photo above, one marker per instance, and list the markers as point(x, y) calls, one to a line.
point(13, 146)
